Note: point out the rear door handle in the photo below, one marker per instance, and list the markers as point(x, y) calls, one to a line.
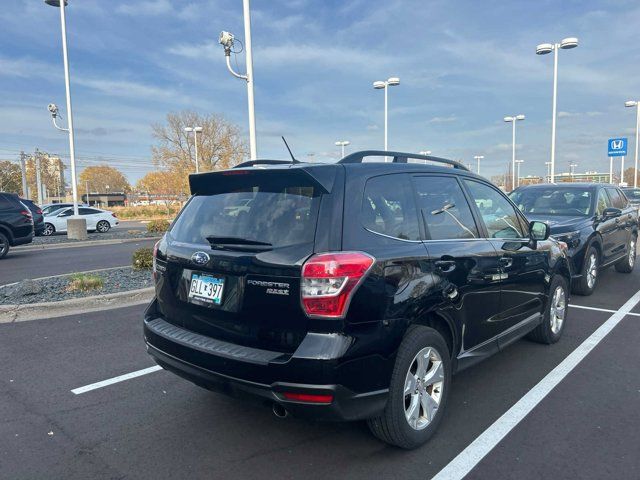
point(506, 261)
point(446, 266)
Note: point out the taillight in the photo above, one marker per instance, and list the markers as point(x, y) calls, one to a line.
point(27, 214)
point(308, 398)
point(329, 281)
point(38, 211)
point(114, 215)
point(155, 255)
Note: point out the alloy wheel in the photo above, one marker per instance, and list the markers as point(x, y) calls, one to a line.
point(558, 309)
point(48, 230)
point(632, 252)
point(592, 270)
point(423, 388)
point(4, 245)
point(102, 226)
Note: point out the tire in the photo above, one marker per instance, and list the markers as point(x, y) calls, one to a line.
point(103, 226)
point(392, 426)
point(553, 323)
point(629, 261)
point(588, 281)
point(49, 230)
point(4, 245)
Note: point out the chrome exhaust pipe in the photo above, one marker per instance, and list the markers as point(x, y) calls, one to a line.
point(279, 411)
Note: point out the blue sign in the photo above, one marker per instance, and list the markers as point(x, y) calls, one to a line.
point(617, 147)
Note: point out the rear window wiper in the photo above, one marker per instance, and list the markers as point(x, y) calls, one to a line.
point(213, 240)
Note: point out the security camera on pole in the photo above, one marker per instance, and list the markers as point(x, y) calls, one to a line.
point(227, 40)
point(76, 225)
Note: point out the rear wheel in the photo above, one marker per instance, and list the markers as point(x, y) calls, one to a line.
point(418, 391)
point(103, 226)
point(49, 230)
point(552, 326)
point(4, 245)
point(586, 284)
point(629, 261)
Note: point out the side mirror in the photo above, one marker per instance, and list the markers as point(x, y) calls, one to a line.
point(539, 231)
point(611, 212)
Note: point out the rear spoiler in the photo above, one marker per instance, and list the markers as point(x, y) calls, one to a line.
point(320, 177)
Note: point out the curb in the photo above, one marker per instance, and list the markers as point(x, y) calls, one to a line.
point(74, 306)
point(56, 246)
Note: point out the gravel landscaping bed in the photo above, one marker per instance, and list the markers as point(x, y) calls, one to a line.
point(55, 289)
point(112, 235)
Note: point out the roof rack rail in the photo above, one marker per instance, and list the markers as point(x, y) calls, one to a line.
point(251, 163)
point(399, 157)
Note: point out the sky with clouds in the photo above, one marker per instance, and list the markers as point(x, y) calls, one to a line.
point(463, 66)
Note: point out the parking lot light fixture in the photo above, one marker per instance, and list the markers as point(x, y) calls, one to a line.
point(543, 49)
point(384, 85)
point(342, 144)
point(635, 103)
point(477, 159)
point(513, 119)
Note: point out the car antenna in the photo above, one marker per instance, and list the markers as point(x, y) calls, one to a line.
point(293, 159)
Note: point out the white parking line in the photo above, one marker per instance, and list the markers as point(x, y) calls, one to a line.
point(111, 381)
point(597, 309)
point(466, 460)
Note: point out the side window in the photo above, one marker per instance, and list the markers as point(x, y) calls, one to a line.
point(66, 213)
point(498, 214)
point(603, 202)
point(85, 211)
point(445, 208)
point(388, 207)
point(617, 200)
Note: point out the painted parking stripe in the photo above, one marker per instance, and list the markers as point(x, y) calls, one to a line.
point(597, 309)
point(111, 381)
point(466, 460)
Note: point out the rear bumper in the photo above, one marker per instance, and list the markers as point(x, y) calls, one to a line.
point(22, 240)
point(264, 375)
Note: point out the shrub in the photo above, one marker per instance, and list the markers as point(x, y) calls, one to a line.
point(143, 259)
point(83, 283)
point(147, 212)
point(158, 226)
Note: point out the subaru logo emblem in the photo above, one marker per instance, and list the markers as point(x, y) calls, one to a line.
point(200, 258)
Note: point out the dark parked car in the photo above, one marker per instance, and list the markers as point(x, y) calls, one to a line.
point(350, 291)
point(596, 222)
point(16, 223)
point(633, 195)
point(36, 213)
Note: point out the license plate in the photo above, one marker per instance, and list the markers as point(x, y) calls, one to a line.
point(206, 288)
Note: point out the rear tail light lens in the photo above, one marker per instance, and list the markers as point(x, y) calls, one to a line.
point(114, 215)
point(329, 281)
point(38, 211)
point(26, 214)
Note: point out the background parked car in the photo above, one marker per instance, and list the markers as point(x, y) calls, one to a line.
point(49, 208)
point(36, 213)
point(596, 221)
point(97, 220)
point(16, 223)
point(633, 194)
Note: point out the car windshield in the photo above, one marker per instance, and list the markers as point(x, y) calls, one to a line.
point(255, 215)
point(554, 201)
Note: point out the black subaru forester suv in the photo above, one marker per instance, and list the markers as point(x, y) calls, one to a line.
point(352, 290)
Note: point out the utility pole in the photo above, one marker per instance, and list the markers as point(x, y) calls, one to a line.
point(23, 169)
point(38, 179)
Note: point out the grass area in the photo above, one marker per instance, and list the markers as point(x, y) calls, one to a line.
point(147, 212)
point(84, 282)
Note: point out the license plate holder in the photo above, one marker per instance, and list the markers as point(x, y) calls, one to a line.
point(205, 288)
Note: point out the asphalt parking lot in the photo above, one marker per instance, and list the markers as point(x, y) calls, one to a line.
point(159, 426)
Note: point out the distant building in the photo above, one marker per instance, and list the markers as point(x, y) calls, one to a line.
point(594, 177)
point(104, 199)
point(530, 180)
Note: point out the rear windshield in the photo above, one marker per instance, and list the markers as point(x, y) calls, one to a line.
point(553, 201)
point(276, 214)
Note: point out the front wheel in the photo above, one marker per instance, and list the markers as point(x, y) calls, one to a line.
point(48, 230)
point(555, 313)
point(103, 226)
point(629, 261)
point(4, 245)
point(587, 282)
point(418, 391)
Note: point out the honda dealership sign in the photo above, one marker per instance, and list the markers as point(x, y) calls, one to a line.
point(617, 147)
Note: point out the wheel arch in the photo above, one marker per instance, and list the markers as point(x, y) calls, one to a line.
point(7, 231)
point(443, 325)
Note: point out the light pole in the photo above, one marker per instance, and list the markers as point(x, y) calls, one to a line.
point(635, 103)
point(195, 131)
point(478, 158)
point(342, 144)
point(76, 226)
point(572, 167)
point(425, 152)
point(548, 164)
point(543, 49)
point(226, 40)
point(518, 163)
point(379, 85)
point(513, 119)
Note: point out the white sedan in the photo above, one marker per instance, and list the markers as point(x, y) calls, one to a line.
point(98, 220)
